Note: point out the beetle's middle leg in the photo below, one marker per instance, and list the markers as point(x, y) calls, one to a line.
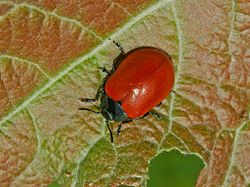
point(157, 115)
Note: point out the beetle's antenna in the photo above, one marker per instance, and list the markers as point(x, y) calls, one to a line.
point(110, 132)
point(88, 109)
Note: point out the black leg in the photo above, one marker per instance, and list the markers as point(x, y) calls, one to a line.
point(104, 70)
point(118, 129)
point(120, 126)
point(87, 100)
point(173, 91)
point(156, 114)
point(118, 59)
point(110, 132)
point(119, 47)
point(91, 100)
point(99, 92)
point(158, 105)
point(88, 109)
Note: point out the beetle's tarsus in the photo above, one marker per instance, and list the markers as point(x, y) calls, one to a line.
point(118, 129)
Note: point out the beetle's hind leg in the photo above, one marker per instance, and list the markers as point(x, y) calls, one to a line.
point(118, 59)
point(105, 70)
point(118, 45)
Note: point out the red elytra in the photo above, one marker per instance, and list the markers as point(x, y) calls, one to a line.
point(141, 81)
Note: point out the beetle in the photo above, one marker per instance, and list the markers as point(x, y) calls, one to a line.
point(138, 81)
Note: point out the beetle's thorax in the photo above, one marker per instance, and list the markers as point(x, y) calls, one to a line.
point(112, 110)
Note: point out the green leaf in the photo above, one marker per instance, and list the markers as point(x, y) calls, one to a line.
point(50, 54)
point(174, 169)
point(54, 184)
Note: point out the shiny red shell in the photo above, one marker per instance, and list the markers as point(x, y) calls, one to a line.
point(142, 80)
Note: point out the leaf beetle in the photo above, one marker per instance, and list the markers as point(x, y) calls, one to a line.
point(139, 80)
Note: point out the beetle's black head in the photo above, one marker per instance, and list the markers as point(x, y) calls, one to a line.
point(112, 110)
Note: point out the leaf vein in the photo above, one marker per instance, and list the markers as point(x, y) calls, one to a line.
point(180, 59)
point(11, 57)
point(38, 143)
point(60, 17)
point(75, 180)
point(232, 158)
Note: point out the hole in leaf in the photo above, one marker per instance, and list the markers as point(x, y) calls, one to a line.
point(174, 169)
point(54, 184)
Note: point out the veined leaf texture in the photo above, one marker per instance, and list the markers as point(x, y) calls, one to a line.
point(50, 54)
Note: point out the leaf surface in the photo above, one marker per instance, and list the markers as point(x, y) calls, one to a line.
point(50, 54)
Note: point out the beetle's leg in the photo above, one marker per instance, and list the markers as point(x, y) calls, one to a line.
point(99, 91)
point(156, 114)
point(118, 129)
point(91, 100)
point(153, 113)
point(87, 100)
point(119, 47)
point(118, 59)
point(120, 126)
point(158, 105)
point(110, 132)
point(145, 115)
point(88, 109)
point(173, 91)
point(104, 70)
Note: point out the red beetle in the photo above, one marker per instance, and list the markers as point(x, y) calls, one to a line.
point(138, 81)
